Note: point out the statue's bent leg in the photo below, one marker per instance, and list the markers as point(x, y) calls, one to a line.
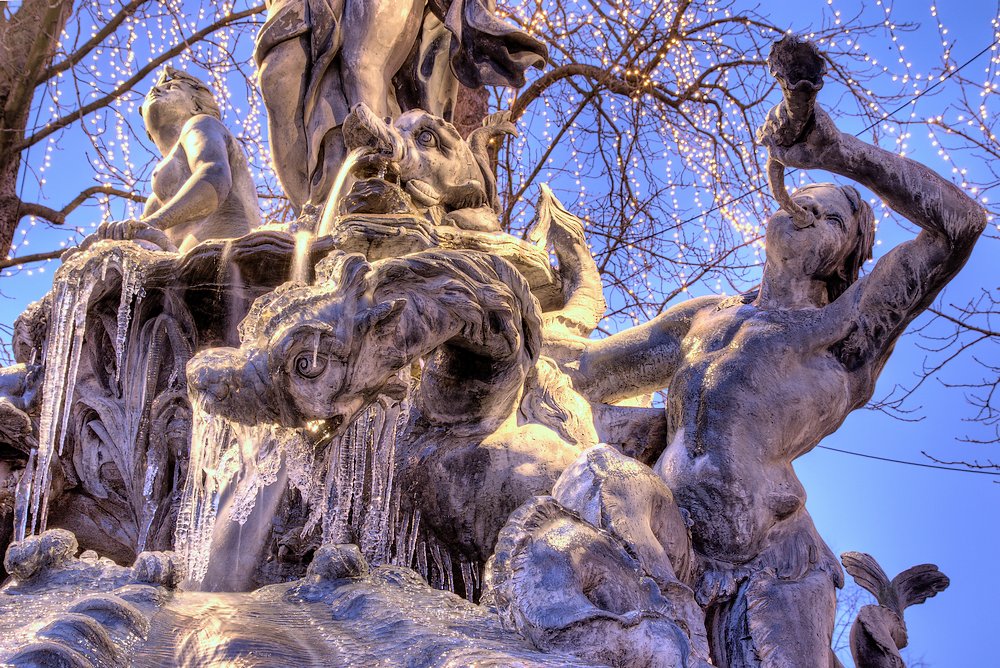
point(382, 33)
point(283, 80)
point(776, 623)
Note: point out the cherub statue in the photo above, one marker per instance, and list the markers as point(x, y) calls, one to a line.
point(202, 188)
point(318, 60)
point(756, 381)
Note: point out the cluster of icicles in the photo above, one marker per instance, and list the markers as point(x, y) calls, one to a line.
point(67, 328)
point(348, 485)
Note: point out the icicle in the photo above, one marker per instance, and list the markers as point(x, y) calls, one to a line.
point(422, 560)
point(467, 579)
point(131, 291)
point(67, 327)
point(300, 462)
point(22, 497)
point(210, 438)
point(363, 439)
point(449, 574)
point(438, 581)
point(476, 570)
point(399, 557)
point(243, 459)
point(414, 532)
point(336, 528)
point(375, 533)
point(79, 331)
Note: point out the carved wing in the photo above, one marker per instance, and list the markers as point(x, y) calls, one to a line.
point(916, 585)
point(868, 574)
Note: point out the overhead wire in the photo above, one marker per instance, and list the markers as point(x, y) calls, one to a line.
point(909, 463)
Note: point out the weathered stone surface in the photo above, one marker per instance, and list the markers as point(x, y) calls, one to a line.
point(36, 554)
point(756, 381)
point(319, 60)
point(421, 377)
point(339, 615)
point(589, 570)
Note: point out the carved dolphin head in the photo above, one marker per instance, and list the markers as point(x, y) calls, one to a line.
point(435, 165)
point(307, 354)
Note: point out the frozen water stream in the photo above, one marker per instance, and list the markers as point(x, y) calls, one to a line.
point(231, 468)
point(71, 294)
point(234, 469)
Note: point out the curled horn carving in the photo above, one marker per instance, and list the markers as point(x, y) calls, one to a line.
point(494, 125)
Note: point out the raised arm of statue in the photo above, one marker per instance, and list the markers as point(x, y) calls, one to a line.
point(639, 360)
point(877, 308)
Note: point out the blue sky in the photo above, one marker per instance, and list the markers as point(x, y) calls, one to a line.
point(903, 515)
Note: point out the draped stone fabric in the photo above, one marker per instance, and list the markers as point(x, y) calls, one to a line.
point(460, 41)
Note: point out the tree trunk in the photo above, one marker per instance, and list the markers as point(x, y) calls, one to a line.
point(28, 40)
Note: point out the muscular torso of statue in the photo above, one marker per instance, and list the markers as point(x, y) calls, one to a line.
point(733, 430)
point(230, 219)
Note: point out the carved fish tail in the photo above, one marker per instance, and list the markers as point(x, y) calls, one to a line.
point(879, 631)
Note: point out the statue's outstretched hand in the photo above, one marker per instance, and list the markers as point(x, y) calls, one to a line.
point(813, 146)
point(124, 230)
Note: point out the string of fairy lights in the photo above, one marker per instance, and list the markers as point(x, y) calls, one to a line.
point(661, 177)
point(118, 153)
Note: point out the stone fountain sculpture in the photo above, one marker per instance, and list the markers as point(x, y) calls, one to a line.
point(412, 396)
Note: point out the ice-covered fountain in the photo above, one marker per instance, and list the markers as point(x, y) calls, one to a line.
point(383, 434)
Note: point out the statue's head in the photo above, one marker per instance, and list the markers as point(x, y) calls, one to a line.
point(177, 94)
point(432, 162)
point(307, 353)
point(835, 247)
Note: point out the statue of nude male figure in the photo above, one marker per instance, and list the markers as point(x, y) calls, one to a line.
point(755, 382)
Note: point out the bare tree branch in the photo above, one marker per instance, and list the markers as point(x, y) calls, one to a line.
point(28, 259)
point(58, 217)
point(95, 41)
point(103, 101)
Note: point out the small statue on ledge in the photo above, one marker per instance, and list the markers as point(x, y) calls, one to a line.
point(202, 188)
